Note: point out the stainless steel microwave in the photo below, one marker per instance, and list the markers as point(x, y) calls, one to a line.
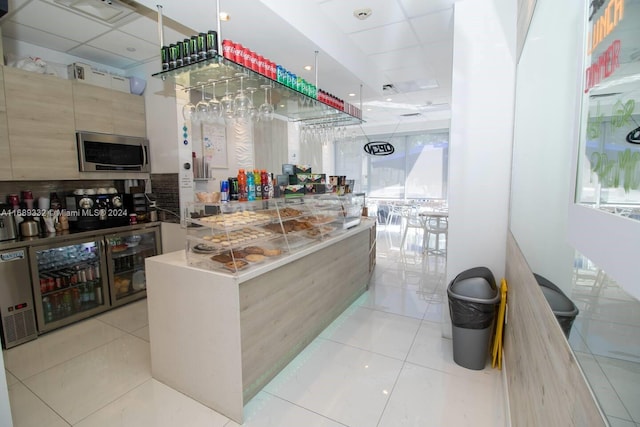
point(99, 152)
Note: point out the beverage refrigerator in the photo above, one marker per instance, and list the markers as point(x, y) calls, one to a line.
point(126, 253)
point(69, 281)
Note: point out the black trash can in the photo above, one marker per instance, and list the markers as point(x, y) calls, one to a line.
point(563, 308)
point(473, 302)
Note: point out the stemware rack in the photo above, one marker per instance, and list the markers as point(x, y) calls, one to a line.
point(287, 102)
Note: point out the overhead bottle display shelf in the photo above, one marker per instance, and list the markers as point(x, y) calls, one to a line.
point(227, 78)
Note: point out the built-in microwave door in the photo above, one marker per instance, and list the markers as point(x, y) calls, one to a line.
point(112, 153)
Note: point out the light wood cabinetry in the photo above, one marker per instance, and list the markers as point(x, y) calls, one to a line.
point(107, 111)
point(5, 152)
point(41, 126)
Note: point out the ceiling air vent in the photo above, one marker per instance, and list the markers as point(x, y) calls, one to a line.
point(109, 11)
point(410, 115)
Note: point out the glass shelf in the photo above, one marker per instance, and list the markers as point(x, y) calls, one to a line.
point(295, 105)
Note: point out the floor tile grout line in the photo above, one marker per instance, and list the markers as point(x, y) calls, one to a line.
point(360, 348)
point(390, 312)
point(112, 401)
point(47, 405)
point(305, 408)
point(615, 390)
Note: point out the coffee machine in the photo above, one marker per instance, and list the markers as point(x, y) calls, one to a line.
point(8, 229)
point(96, 211)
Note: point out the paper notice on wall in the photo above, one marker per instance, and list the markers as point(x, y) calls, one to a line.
point(214, 145)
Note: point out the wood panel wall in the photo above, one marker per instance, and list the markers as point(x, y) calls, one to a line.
point(545, 384)
point(282, 311)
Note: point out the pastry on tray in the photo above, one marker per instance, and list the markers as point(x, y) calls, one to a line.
point(254, 250)
point(272, 252)
point(255, 258)
point(235, 265)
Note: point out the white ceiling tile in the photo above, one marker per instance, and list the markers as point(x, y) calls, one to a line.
point(102, 57)
point(56, 21)
point(385, 39)
point(415, 8)
point(146, 28)
point(341, 13)
point(117, 43)
point(406, 57)
point(434, 27)
point(16, 4)
point(36, 37)
point(406, 74)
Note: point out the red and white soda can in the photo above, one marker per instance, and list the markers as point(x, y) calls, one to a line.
point(238, 50)
point(260, 64)
point(227, 50)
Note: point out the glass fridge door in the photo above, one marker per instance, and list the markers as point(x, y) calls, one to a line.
point(69, 282)
point(126, 253)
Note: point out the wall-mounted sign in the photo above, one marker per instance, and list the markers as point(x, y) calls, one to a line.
point(379, 148)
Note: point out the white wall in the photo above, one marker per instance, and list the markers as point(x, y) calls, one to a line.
point(5, 409)
point(544, 138)
point(483, 89)
point(162, 126)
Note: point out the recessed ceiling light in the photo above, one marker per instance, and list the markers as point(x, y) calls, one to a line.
point(131, 49)
point(368, 109)
point(224, 16)
point(352, 94)
point(307, 67)
point(389, 99)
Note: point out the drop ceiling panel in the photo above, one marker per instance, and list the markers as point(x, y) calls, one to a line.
point(399, 58)
point(410, 74)
point(434, 27)
point(341, 13)
point(36, 37)
point(102, 57)
point(385, 39)
point(117, 42)
point(56, 21)
point(415, 8)
point(146, 28)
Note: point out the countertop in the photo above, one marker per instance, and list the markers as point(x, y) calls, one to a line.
point(67, 235)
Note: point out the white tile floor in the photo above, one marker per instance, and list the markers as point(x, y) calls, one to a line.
point(606, 340)
point(382, 363)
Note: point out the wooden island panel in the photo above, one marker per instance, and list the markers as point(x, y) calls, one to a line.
point(285, 309)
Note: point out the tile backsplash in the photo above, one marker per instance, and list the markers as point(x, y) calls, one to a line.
point(164, 187)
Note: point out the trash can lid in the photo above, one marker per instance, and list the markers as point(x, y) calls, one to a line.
point(558, 301)
point(473, 287)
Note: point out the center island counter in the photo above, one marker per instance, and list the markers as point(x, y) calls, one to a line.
point(221, 337)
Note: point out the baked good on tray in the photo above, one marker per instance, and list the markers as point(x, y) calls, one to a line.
point(235, 265)
point(255, 258)
point(272, 252)
point(254, 250)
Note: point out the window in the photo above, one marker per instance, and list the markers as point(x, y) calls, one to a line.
point(417, 168)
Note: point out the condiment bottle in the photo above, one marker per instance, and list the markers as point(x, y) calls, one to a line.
point(242, 186)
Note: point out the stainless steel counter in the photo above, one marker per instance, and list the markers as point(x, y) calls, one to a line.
point(70, 235)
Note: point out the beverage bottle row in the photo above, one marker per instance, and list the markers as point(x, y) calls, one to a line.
point(189, 51)
point(248, 186)
point(70, 301)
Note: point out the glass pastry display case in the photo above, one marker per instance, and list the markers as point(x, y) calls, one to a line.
point(235, 236)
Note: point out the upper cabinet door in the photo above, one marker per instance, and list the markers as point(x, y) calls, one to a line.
point(5, 152)
point(41, 126)
point(108, 111)
point(93, 108)
point(129, 114)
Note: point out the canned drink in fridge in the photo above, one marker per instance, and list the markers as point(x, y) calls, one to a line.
point(212, 43)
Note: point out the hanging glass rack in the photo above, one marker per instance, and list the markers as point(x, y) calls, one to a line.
point(294, 105)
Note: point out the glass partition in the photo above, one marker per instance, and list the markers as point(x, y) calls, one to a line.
point(609, 160)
